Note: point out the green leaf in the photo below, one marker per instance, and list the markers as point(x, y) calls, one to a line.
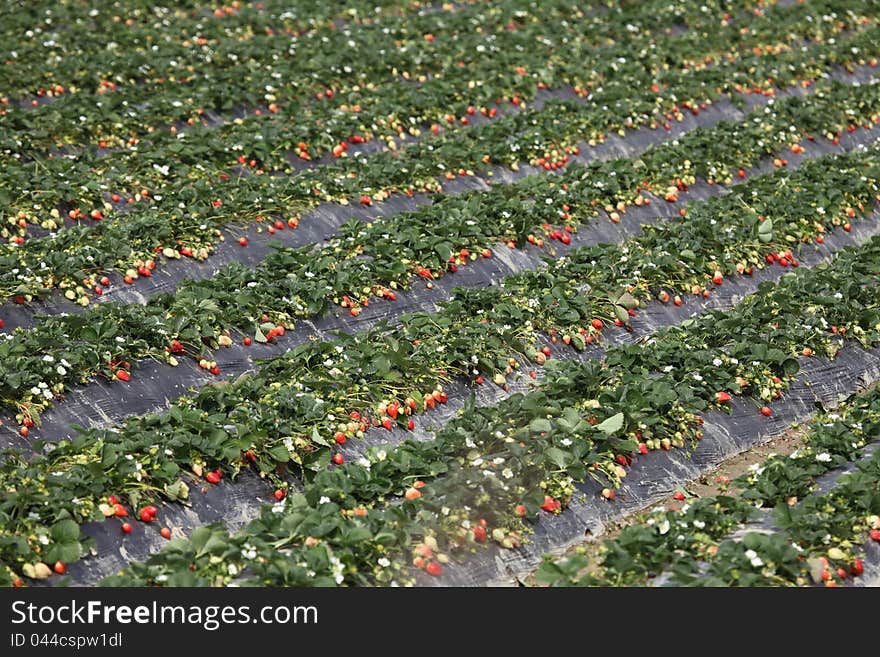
point(318, 439)
point(611, 425)
point(540, 425)
point(65, 531)
point(557, 456)
point(628, 301)
point(279, 454)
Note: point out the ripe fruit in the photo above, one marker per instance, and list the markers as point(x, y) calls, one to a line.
point(59, 567)
point(119, 510)
point(718, 278)
point(520, 511)
point(875, 534)
point(122, 375)
point(126, 528)
point(146, 516)
point(413, 494)
point(213, 477)
point(480, 534)
point(165, 533)
point(24, 432)
point(338, 458)
point(243, 241)
point(280, 494)
point(434, 569)
point(608, 494)
point(766, 412)
point(248, 342)
point(858, 568)
point(678, 495)
point(722, 397)
point(597, 324)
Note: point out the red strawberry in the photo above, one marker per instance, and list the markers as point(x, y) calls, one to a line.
point(59, 567)
point(165, 533)
point(434, 569)
point(550, 505)
point(858, 568)
point(597, 324)
point(338, 458)
point(766, 412)
point(480, 534)
point(122, 375)
point(875, 534)
point(213, 477)
point(119, 511)
point(339, 437)
point(678, 495)
point(387, 423)
point(722, 397)
point(280, 494)
point(243, 241)
point(410, 424)
point(126, 528)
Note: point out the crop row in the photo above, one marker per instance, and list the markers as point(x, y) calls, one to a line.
point(817, 537)
point(289, 413)
point(61, 182)
point(349, 84)
point(369, 262)
point(74, 258)
point(494, 466)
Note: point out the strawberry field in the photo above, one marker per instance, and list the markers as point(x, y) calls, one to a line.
point(488, 292)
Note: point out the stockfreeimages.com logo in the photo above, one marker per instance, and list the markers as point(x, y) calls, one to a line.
point(210, 617)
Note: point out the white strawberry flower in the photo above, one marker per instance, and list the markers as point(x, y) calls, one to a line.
point(752, 556)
